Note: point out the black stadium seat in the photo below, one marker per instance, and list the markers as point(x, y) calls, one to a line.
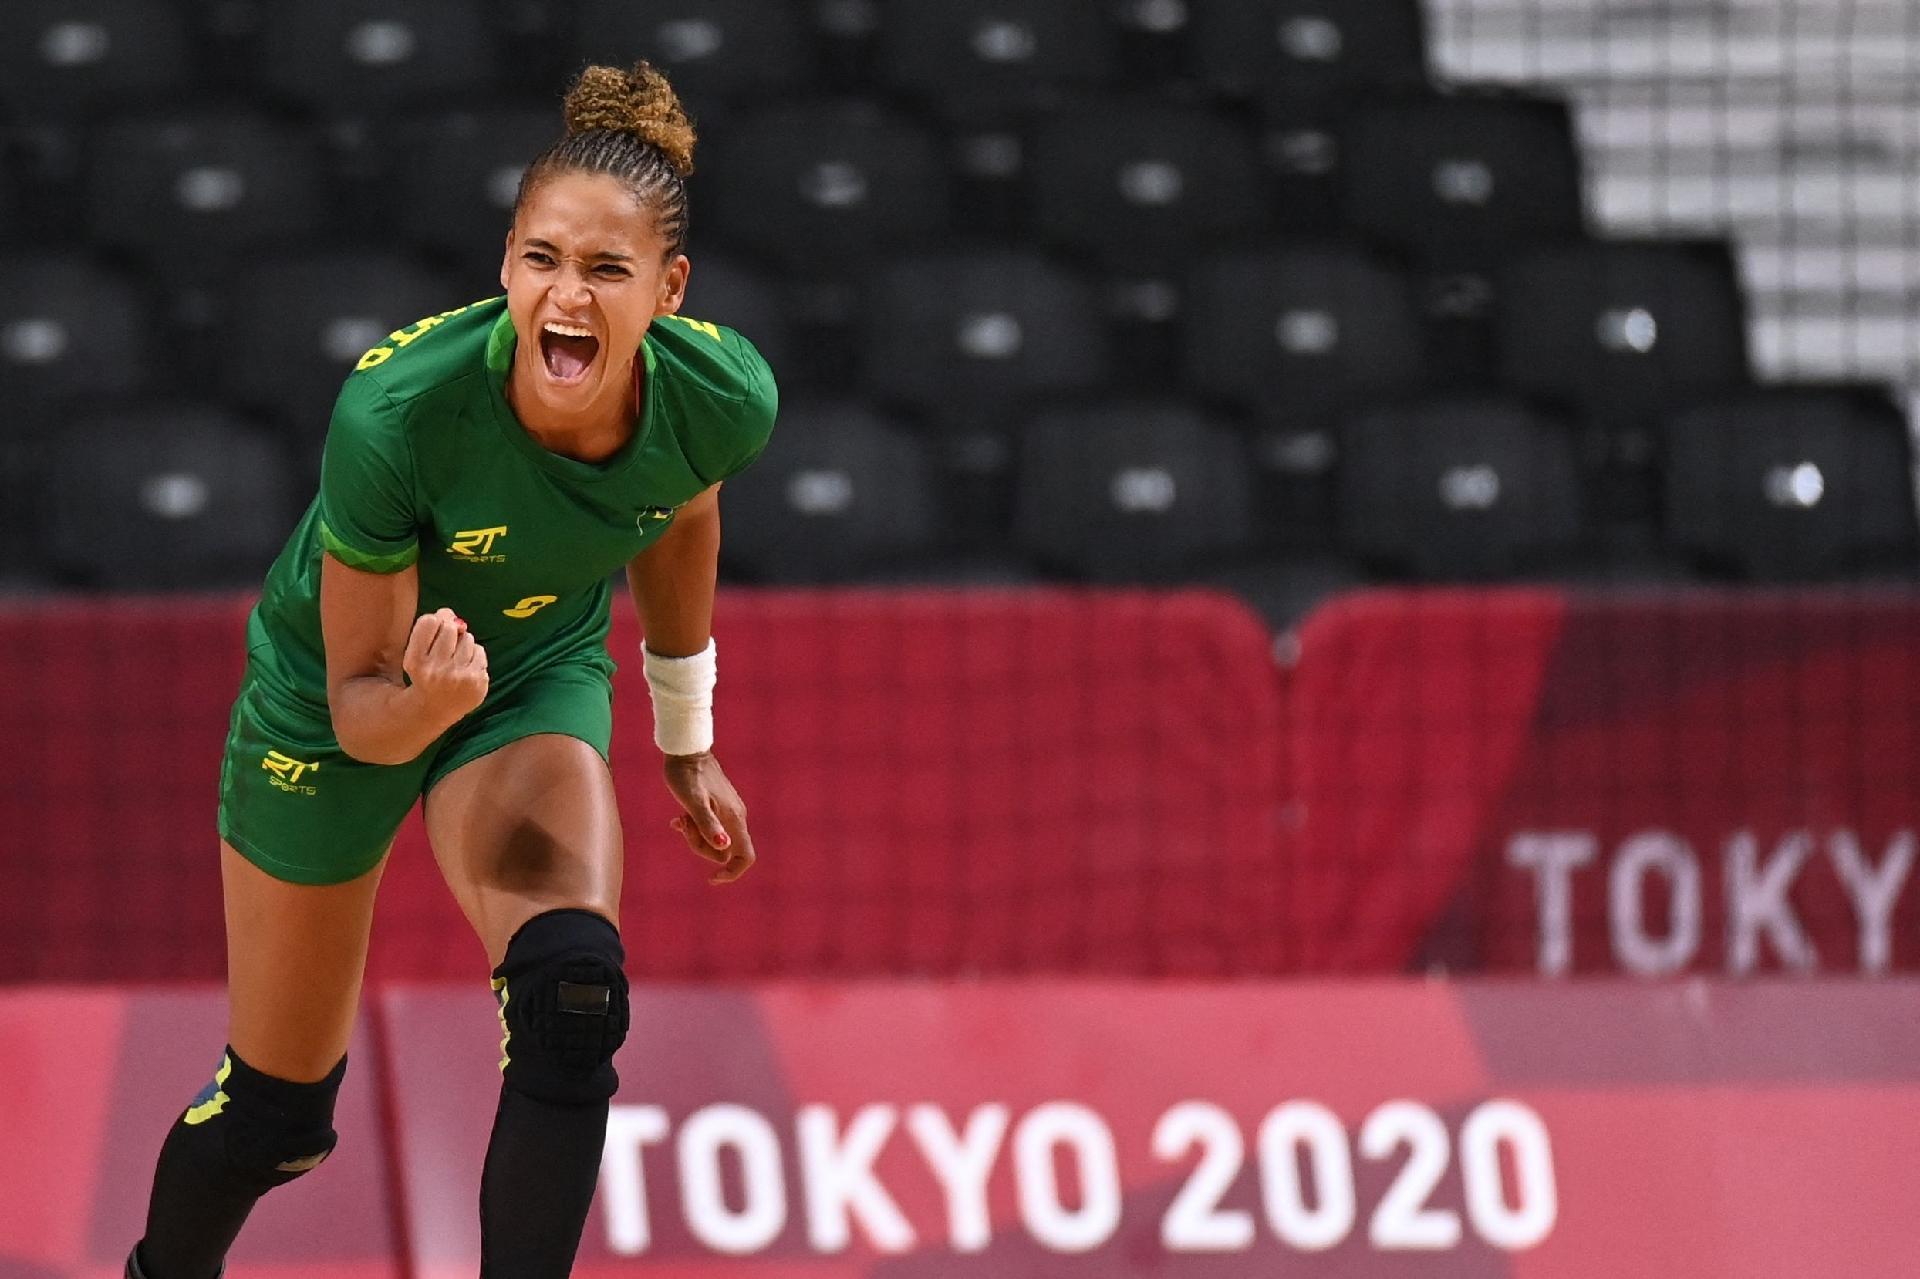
point(1130, 491)
point(1308, 51)
point(845, 494)
point(1142, 185)
point(201, 188)
point(455, 177)
point(354, 57)
point(824, 187)
point(1623, 331)
point(296, 325)
point(1794, 483)
point(989, 329)
point(69, 328)
point(1459, 488)
point(981, 60)
point(165, 497)
point(1300, 334)
point(717, 52)
point(69, 58)
point(1458, 182)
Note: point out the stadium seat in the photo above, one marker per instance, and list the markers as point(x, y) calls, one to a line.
point(69, 328)
point(1130, 491)
point(1458, 182)
point(1459, 488)
point(70, 58)
point(983, 330)
point(454, 177)
point(1300, 143)
point(192, 190)
point(356, 57)
point(1142, 185)
point(1793, 483)
point(847, 493)
point(1300, 334)
point(295, 326)
point(1326, 51)
point(1623, 332)
point(981, 60)
point(717, 52)
point(823, 187)
point(725, 290)
point(165, 497)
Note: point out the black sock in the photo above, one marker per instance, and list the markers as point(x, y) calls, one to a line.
point(542, 1164)
point(211, 1173)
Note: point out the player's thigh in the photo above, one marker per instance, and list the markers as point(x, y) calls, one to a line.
point(296, 954)
point(529, 827)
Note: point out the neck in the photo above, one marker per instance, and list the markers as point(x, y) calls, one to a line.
point(591, 434)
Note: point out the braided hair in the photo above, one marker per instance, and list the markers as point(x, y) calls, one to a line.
point(630, 126)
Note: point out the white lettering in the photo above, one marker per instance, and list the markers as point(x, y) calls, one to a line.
point(1195, 1221)
point(623, 1181)
point(1082, 1133)
point(961, 1165)
point(1309, 1125)
point(1553, 856)
point(1873, 892)
point(840, 1183)
point(1757, 902)
point(712, 1221)
point(1643, 854)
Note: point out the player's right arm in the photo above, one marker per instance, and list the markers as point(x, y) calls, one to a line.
point(395, 682)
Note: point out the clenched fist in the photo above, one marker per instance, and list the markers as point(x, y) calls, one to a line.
point(446, 665)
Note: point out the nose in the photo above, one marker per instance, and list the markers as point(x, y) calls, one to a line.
point(570, 290)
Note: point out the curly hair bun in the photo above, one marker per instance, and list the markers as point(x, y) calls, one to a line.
point(640, 102)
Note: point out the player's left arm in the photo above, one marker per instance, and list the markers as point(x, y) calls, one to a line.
point(673, 585)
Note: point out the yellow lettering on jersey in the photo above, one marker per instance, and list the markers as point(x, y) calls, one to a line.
point(699, 326)
point(374, 359)
point(477, 541)
point(530, 605)
point(418, 329)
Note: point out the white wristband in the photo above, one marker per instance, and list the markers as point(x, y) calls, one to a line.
point(682, 689)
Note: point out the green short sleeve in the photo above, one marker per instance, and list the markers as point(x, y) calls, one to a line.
point(753, 422)
point(368, 516)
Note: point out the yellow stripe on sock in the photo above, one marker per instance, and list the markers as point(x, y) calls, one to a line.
point(208, 1109)
point(500, 992)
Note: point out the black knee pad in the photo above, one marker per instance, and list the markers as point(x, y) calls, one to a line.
point(268, 1130)
point(563, 1006)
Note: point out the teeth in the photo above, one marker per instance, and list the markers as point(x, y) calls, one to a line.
point(567, 330)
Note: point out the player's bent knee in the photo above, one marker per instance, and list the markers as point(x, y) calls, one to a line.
point(266, 1130)
point(563, 1007)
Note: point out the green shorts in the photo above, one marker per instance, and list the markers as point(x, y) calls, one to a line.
point(296, 806)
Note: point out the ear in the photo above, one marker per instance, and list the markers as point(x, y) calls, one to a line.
point(506, 259)
point(673, 286)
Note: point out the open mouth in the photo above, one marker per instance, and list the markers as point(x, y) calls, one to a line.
point(568, 352)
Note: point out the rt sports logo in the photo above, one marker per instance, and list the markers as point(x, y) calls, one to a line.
point(286, 771)
point(475, 545)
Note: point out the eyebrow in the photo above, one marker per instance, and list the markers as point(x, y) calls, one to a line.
point(595, 257)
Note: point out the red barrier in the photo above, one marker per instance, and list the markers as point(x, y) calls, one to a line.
point(940, 782)
point(1066, 782)
point(1651, 784)
point(880, 1131)
point(894, 1132)
point(93, 1077)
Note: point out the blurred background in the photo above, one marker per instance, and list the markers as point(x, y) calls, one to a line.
point(1285, 296)
point(1264, 488)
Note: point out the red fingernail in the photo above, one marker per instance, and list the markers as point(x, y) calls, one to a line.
point(721, 840)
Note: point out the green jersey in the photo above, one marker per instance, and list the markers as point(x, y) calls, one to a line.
point(425, 463)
